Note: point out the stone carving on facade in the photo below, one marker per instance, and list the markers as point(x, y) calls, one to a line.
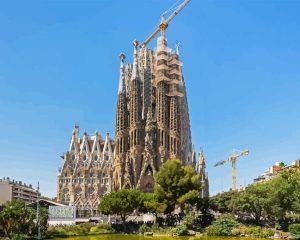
point(86, 173)
point(152, 84)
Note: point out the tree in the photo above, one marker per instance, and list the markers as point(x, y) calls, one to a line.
point(222, 202)
point(276, 201)
point(122, 203)
point(150, 203)
point(15, 218)
point(254, 201)
point(176, 185)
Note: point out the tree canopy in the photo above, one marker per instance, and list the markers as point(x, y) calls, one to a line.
point(122, 203)
point(276, 201)
point(177, 185)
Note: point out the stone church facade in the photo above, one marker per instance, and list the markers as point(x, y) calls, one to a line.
point(152, 126)
point(152, 116)
point(86, 173)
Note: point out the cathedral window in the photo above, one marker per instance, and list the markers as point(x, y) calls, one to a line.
point(106, 157)
point(96, 158)
point(78, 174)
point(84, 157)
point(66, 174)
point(73, 157)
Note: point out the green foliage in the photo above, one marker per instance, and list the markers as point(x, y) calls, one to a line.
point(189, 218)
point(276, 201)
point(266, 232)
point(150, 204)
point(181, 230)
point(78, 230)
point(223, 226)
point(122, 203)
point(19, 237)
point(253, 231)
point(222, 202)
point(176, 185)
point(294, 229)
point(254, 200)
point(16, 219)
point(155, 228)
point(144, 228)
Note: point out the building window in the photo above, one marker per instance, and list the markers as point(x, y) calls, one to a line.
point(73, 157)
point(96, 158)
point(84, 157)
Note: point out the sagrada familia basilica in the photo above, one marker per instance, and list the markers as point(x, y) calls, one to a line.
point(152, 126)
point(152, 118)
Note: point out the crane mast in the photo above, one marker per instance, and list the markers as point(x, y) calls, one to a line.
point(164, 23)
point(233, 158)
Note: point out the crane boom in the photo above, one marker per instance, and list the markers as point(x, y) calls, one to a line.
point(164, 24)
point(222, 162)
point(178, 9)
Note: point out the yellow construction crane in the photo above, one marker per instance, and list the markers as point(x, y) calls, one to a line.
point(232, 158)
point(164, 22)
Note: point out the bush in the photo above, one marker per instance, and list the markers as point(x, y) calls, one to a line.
point(155, 227)
point(144, 228)
point(19, 237)
point(223, 226)
point(249, 230)
point(236, 232)
point(294, 229)
point(267, 232)
point(78, 230)
point(102, 228)
point(181, 230)
point(253, 231)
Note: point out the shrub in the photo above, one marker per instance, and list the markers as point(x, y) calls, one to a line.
point(181, 230)
point(267, 232)
point(294, 229)
point(250, 230)
point(155, 227)
point(102, 228)
point(236, 232)
point(19, 237)
point(144, 228)
point(56, 232)
point(222, 226)
point(94, 230)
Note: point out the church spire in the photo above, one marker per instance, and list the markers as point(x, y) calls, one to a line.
point(135, 72)
point(201, 158)
point(122, 87)
point(201, 162)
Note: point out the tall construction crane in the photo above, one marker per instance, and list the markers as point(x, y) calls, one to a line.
point(232, 158)
point(164, 23)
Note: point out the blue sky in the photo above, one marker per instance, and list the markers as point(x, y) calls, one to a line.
point(59, 66)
